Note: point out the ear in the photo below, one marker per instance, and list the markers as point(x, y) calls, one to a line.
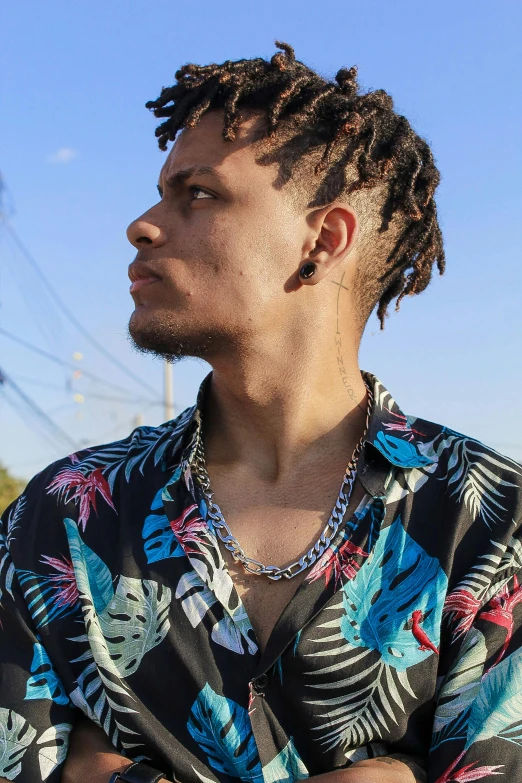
point(334, 231)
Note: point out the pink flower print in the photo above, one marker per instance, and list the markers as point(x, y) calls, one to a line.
point(338, 563)
point(188, 530)
point(463, 605)
point(72, 484)
point(500, 612)
point(64, 581)
point(468, 773)
point(402, 425)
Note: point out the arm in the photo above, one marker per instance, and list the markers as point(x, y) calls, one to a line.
point(92, 757)
point(477, 731)
point(36, 714)
point(396, 768)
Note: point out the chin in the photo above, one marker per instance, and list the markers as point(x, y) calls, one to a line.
point(168, 341)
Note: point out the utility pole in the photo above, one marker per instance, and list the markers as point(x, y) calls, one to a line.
point(169, 391)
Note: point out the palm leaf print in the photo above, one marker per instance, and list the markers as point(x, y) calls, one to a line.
point(16, 734)
point(7, 569)
point(390, 619)
point(14, 519)
point(473, 477)
point(222, 729)
point(50, 596)
point(93, 578)
point(132, 453)
point(459, 689)
point(497, 710)
point(55, 742)
point(360, 715)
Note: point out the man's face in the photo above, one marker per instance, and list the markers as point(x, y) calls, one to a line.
point(225, 244)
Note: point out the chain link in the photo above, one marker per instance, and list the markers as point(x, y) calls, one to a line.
point(215, 514)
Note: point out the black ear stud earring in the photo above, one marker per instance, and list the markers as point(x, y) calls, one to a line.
point(307, 270)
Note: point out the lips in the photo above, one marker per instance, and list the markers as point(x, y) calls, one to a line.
point(141, 274)
point(142, 281)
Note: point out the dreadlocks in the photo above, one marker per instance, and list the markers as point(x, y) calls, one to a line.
point(349, 132)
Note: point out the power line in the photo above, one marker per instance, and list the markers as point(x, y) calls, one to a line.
point(72, 318)
point(90, 395)
point(56, 359)
point(42, 417)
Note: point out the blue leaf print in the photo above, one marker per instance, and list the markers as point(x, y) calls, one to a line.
point(497, 710)
point(222, 729)
point(286, 767)
point(44, 682)
point(395, 600)
point(92, 575)
point(400, 452)
point(160, 541)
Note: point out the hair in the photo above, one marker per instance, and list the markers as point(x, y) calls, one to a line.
point(358, 140)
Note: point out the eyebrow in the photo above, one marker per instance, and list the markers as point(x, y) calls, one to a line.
point(177, 179)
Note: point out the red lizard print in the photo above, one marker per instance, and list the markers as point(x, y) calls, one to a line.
point(419, 634)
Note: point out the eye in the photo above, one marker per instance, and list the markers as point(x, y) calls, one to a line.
point(198, 194)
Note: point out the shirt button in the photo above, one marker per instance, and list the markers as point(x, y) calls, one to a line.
point(260, 683)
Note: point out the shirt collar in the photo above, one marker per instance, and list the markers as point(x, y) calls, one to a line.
point(391, 438)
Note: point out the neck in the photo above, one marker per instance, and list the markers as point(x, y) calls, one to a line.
point(276, 407)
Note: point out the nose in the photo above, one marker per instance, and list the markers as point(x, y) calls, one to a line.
point(142, 232)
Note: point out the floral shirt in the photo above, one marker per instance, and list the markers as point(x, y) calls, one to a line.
point(116, 604)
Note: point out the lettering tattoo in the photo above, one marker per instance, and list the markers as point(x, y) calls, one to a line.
point(411, 762)
point(339, 345)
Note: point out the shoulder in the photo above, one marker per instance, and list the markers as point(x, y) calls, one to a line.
point(470, 493)
point(87, 482)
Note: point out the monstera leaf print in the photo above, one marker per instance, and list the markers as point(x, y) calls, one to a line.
point(16, 734)
point(134, 622)
point(55, 742)
point(222, 729)
point(400, 452)
point(394, 603)
point(44, 683)
point(286, 767)
point(121, 626)
point(231, 630)
point(160, 541)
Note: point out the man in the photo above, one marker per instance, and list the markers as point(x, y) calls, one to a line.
point(190, 589)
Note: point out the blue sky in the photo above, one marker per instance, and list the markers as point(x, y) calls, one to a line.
point(78, 154)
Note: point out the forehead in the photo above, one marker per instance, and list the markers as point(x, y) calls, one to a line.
point(204, 146)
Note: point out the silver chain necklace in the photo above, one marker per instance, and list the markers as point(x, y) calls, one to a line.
point(232, 544)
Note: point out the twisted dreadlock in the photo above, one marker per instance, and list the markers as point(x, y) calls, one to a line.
point(350, 133)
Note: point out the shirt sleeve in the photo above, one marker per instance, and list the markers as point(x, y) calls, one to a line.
point(477, 730)
point(36, 714)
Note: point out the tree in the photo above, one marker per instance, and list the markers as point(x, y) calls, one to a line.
point(10, 487)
